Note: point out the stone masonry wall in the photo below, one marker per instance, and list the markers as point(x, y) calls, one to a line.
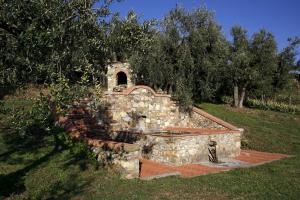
point(142, 108)
point(81, 125)
point(127, 162)
point(178, 150)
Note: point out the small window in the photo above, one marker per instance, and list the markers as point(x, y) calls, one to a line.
point(121, 78)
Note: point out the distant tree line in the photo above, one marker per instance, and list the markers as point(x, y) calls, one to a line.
point(185, 54)
point(191, 59)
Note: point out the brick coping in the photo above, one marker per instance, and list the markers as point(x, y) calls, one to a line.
point(183, 131)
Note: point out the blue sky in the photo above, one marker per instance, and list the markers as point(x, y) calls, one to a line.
point(281, 17)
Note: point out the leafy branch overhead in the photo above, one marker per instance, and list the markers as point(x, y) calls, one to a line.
point(186, 54)
point(46, 38)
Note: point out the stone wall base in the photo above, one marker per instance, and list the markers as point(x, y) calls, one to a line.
point(129, 169)
point(125, 160)
point(178, 150)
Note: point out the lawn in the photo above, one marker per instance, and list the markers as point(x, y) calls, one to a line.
point(33, 170)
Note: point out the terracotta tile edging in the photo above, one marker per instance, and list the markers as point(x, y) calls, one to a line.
point(194, 134)
point(265, 152)
point(266, 162)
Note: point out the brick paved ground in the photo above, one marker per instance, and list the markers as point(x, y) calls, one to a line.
point(151, 169)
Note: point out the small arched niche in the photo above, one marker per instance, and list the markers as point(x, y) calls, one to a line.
point(121, 78)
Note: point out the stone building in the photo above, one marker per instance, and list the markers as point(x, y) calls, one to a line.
point(135, 122)
point(176, 137)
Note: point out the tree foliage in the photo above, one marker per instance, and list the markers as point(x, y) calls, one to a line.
point(286, 62)
point(185, 56)
point(252, 63)
point(264, 56)
point(43, 38)
point(128, 35)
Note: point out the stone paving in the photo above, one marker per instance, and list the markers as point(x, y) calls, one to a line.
point(247, 158)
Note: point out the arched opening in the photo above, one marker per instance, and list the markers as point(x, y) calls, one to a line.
point(121, 78)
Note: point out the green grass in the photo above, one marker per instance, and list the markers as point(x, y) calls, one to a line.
point(265, 130)
point(34, 171)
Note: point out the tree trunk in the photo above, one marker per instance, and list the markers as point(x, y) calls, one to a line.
point(170, 89)
point(242, 97)
point(236, 95)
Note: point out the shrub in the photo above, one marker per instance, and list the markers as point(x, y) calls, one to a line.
point(3, 108)
point(61, 93)
point(227, 99)
point(78, 149)
point(272, 105)
point(34, 120)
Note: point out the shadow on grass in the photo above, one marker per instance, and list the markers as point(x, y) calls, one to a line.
point(13, 183)
point(14, 142)
point(82, 162)
point(69, 189)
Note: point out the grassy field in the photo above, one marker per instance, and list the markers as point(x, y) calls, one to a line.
point(32, 170)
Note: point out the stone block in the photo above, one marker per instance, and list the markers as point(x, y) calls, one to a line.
point(131, 147)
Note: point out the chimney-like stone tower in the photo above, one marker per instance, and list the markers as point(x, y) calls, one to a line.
point(118, 74)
